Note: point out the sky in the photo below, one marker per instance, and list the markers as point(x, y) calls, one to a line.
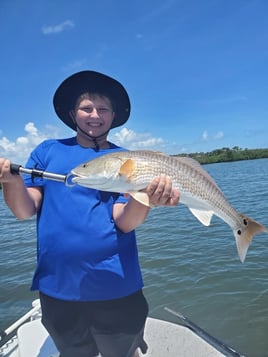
point(196, 71)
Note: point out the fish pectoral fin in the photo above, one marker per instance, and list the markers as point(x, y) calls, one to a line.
point(203, 216)
point(127, 168)
point(141, 197)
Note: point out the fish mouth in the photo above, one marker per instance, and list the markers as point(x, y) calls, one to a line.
point(71, 179)
point(76, 177)
point(85, 181)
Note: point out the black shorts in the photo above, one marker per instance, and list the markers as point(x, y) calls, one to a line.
point(113, 328)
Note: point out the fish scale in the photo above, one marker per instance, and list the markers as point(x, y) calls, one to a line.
point(184, 178)
point(132, 171)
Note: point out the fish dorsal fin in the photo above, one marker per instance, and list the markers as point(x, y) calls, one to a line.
point(160, 153)
point(192, 162)
point(203, 216)
point(127, 168)
point(151, 152)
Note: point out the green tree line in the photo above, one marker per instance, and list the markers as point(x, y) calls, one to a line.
point(226, 155)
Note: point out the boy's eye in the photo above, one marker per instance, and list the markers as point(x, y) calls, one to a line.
point(102, 110)
point(86, 109)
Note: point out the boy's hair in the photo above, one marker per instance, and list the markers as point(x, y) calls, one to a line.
point(92, 95)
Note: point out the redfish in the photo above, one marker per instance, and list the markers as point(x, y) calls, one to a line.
point(132, 171)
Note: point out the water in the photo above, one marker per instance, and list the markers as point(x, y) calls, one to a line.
point(187, 267)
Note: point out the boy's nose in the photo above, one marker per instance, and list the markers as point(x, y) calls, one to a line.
point(94, 113)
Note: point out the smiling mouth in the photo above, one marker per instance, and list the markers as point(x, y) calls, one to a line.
point(95, 125)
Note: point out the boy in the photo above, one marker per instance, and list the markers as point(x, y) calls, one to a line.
point(88, 273)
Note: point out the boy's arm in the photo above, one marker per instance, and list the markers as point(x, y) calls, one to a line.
point(129, 216)
point(22, 201)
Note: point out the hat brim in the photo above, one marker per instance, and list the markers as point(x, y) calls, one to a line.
point(71, 88)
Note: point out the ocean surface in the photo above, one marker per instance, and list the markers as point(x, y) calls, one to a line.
point(190, 268)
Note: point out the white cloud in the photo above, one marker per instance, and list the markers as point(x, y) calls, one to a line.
point(31, 129)
point(206, 137)
point(20, 149)
point(75, 65)
point(134, 141)
point(48, 30)
point(219, 135)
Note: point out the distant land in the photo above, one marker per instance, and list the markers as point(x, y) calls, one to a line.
point(227, 155)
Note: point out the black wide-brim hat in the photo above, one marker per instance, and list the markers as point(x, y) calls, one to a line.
point(82, 82)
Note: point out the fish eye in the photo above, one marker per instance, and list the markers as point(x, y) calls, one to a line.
point(239, 232)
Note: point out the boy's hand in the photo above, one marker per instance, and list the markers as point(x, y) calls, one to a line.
point(161, 193)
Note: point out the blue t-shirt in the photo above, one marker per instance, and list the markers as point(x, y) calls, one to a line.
point(81, 254)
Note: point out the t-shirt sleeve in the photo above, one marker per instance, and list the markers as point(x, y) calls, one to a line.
point(35, 161)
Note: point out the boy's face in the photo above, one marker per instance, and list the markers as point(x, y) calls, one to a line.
point(94, 116)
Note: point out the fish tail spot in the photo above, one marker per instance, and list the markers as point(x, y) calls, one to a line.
point(245, 222)
point(245, 235)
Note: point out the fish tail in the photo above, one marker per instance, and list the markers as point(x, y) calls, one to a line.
point(244, 236)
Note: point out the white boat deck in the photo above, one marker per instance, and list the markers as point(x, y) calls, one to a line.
point(164, 339)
